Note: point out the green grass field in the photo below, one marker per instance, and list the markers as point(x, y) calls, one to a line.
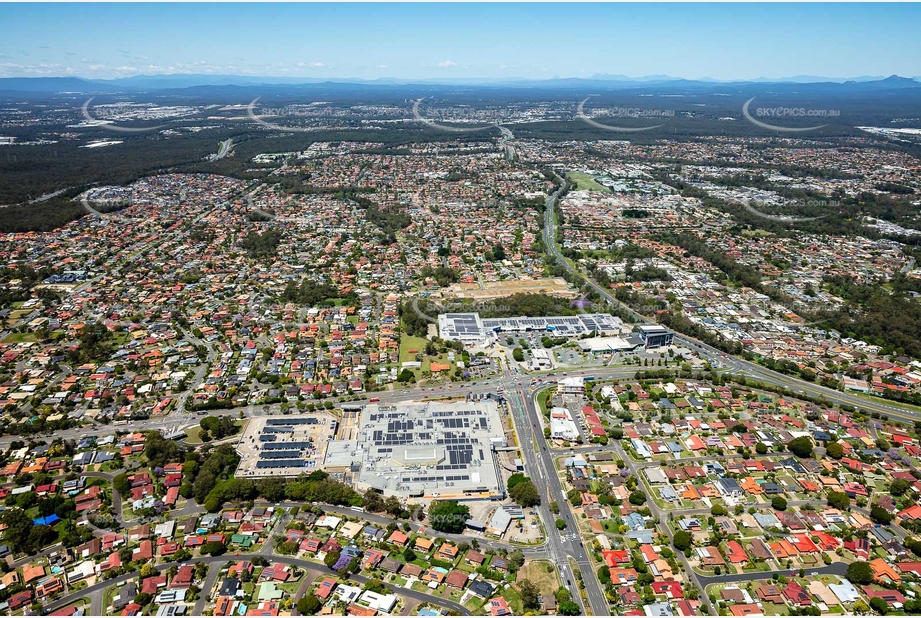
point(585, 182)
point(408, 343)
point(20, 338)
point(888, 402)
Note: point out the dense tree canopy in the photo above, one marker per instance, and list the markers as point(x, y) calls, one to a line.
point(682, 540)
point(801, 447)
point(448, 516)
point(219, 426)
point(838, 500)
point(834, 450)
point(859, 573)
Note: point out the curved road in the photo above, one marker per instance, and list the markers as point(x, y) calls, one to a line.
point(712, 354)
point(221, 560)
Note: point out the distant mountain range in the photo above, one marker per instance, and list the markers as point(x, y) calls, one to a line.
point(149, 83)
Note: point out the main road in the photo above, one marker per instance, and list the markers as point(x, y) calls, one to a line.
point(711, 354)
point(538, 458)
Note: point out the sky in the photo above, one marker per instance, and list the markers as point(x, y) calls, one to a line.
point(423, 41)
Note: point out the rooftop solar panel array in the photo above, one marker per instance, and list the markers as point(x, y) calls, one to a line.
point(281, 463)
point(454, 455)
point(287, 445)
point(291, 421)
point(279, 454)
point(285, 429)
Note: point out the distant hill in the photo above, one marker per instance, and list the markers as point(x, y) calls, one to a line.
point(50, 84)
point(600, 82)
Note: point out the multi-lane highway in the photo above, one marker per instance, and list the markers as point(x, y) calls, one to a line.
point(538, 459)
point(730, 363)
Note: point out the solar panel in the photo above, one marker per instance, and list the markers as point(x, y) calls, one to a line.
point(291, 421)
point(281, 463)
point(279, 454)
point(287, 445)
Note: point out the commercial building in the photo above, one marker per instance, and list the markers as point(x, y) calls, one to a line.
point(655, 336)
point(574, 385)
point(562, 426)
point(471, 329)
point(430, 449)
point(609, 345)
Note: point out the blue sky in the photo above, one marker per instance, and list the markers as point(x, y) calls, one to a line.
point(721, 41)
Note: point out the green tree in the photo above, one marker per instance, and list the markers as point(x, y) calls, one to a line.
point(779, 503)
point(515, 479)
point(682, 540)
point(859, 573)
point(448, 516)
point(801, 447)
point(525, 494)
point(143, 599)
point(331, 558)
point(898, 487)
point(880, 515)
point(121, 483)
point(604, 575)
point(838, 500)
point(530, 595)
point(637, 498)
point(568, 608)
point(834, 450)
point(309, 605)
point(392, 505)
point(879, 605)
point(212, 548)
point(373, 501)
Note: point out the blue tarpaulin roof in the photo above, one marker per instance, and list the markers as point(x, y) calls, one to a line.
point(47, 521)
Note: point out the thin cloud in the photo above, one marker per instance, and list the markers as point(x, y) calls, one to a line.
point(447, 64)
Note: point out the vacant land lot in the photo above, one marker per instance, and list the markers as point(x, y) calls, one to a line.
point(536, 571)
point(585, 182)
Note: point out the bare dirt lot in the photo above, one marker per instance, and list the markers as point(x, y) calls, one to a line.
point(498, 289)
